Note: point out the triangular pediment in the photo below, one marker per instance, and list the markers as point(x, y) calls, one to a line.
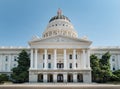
point(60, 39)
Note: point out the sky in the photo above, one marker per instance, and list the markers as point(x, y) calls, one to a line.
point(99, 20)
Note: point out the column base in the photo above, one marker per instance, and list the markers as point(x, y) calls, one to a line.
point(33, 78)
point(87, 77)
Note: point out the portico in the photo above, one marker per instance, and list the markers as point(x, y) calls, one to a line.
point(49, 61)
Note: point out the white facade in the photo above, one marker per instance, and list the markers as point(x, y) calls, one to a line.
point(59, 56)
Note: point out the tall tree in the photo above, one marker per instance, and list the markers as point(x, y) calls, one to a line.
point(94, 62)
point(20, 73)
point(105, 72)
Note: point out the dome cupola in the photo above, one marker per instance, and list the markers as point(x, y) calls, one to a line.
point(59, 16)
point(60, 25)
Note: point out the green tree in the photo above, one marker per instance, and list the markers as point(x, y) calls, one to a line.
point(94, 62)
point(20, 73)
point(116, 76)
point(105, 72)
point(3, 77)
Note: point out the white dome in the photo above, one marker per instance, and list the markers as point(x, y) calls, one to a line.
point(60, 25)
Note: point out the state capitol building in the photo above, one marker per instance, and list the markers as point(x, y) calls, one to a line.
point(59, 55)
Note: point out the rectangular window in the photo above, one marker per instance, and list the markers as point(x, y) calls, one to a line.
point(6, 58)
point(60, 65)
point(49, 65)
point(49, 56)
point(43, 65)
point(70, 56)
point(113, 58)
point(76, 65)
point(70, 65)
point(76, 56)
point(113, 66)
point(15, 58)
point(43, 56)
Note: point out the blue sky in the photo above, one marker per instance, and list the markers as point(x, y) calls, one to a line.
point(22, 19)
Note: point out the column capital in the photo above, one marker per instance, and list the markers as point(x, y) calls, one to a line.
point(83, 49)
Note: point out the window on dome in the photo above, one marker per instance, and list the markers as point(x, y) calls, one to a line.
point(56, 24)
point(63, 24)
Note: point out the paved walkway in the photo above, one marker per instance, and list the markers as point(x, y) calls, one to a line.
point(59, 86)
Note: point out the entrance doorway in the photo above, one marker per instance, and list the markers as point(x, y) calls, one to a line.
point(40, 77)
point(80, 77)
point(50, 78)
point(60, 78)
point(70, 77)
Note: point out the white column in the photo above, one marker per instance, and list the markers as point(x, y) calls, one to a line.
point(75, 77)
point(31, 59)
point(55, 77)
point(36, 51)
point(74, 59)
point(88, 58)
point(84, 59)
point(65, 66)
point(45, 61)
point(65, 77)
point(55, 58)
point(45, 77)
